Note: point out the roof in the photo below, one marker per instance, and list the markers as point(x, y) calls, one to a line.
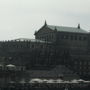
point(30, 40)
point(10, 65)
point(67, 29)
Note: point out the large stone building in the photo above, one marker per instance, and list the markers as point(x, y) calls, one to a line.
point(52, 46)
point(75, 40)
point(71, 43)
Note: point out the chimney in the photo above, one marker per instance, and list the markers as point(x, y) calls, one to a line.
point(78, 26)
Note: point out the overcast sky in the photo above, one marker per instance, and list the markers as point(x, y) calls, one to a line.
point(20, 18)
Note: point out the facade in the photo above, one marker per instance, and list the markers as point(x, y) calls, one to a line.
point(24, 51)
point(72, 44)
point(52, 46)
point(73, 39)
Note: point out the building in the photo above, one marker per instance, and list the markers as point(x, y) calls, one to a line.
point(53, 46)
point(72, 44)
point(72, 39)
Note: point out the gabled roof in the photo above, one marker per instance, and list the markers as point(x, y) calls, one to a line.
point(67, 29)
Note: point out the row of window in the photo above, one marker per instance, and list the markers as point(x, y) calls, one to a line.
point(83, 73)
point(50, 37)
point(73, 37)
point(82, 63)
point(25, 46)
point(46, 37)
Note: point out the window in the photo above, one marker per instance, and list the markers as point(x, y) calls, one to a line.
point(75, 62)
point(52, 36)
point(80, 67)
point(41, 46)
point(32, 46)
point(80, 38)
point(84, 38)
point(88, 63)
point(89, 67)
point(62, 37)
point(75, 37)
point(66, 36)
point(80, 63)
point(71, 37)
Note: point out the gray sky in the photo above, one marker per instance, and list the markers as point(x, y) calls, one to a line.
point(20, 18)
